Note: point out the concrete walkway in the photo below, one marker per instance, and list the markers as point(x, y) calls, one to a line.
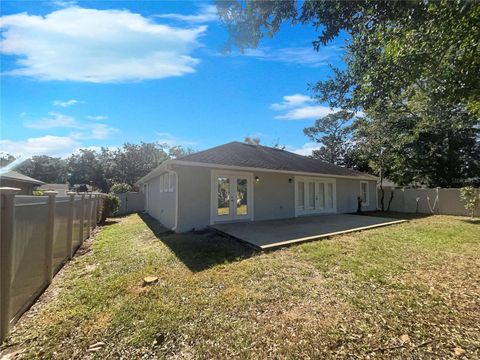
point(274, 233)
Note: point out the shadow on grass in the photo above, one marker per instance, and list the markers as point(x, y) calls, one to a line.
point(199, 250)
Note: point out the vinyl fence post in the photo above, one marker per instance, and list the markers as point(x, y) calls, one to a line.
point(94, 212)
point(7, 236)
point(71, 212)
point(50, 235)
point(89, 215)
point(82, 216)
point(97, 209)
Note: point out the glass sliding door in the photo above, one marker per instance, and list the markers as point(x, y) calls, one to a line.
point(311, 196)
point(314, 196)
point(301, 195)
point(329, 196)
point(321, 195)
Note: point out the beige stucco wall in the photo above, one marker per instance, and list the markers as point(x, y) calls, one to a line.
point(193, 197)
point(274, 196)
point(348, 191)
point(161, 205)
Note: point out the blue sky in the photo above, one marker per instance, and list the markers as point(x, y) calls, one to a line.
point(91, 74)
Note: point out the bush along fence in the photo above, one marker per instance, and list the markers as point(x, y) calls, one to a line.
point(38, 235)
point(424, 201)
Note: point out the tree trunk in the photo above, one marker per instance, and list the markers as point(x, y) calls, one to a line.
point(390, 201)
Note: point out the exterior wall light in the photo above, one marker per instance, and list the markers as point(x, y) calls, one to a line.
point(257, 179)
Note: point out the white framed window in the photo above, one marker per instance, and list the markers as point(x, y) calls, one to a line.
point(165, 182)
point(161, 183)
point(172, 181)
point(364, 193)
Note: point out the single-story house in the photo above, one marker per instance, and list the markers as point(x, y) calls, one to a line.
point(61, 189)
point(25, 183)
point(242, 182)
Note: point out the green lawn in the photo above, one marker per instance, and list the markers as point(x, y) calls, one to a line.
point(406, 291)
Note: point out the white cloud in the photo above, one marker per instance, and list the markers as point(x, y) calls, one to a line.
point(307, 112)
point(97, 117)
point(171, 140)
point(56, 120)
point(297, 55)
point(66, 103)
point(94, 131)
point(305, 150)
point(84, 130)
point(299, 107)
point(65, 3)
point(290, 101)
point(45, 145)
point(207, 13)
point(99, 46)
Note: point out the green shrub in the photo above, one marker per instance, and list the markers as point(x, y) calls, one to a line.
point(120, 188)
point(38, 192)
point(111, 203)
point(471, 197)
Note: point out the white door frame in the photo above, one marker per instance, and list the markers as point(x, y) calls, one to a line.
point(232, 175)
point(317, 209)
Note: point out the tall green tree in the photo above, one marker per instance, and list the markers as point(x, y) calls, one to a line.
point(134, 161)
point(84, 167)
point(6, 159)
point(44, 168)
point(412, 66)
point(333, 133)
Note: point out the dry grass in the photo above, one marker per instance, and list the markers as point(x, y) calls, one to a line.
point(406, 291)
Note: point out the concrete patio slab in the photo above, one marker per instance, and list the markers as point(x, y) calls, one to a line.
point(273, 233)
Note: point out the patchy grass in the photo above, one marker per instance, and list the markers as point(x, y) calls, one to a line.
point(406, 291)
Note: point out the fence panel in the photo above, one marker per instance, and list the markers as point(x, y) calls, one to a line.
point(76, 222)
point(29, 253)
point(60, 235)
point(131, 202)
point(85, 218)
point(430, 201)
point(35, 242)
point(451, 204)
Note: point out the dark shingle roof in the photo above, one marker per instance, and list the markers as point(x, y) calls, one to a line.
point(263, 157)
point(13, 175)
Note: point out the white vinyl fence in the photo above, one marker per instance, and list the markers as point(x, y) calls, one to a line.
point(38, 235)
point(131, 202)
point(425, 201)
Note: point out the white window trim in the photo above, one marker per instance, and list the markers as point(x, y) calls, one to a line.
point(367, 202)
point(160, 183)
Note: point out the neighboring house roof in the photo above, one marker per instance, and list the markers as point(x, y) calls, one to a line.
point(54, 187)
point(388, 183)
point(13, 175)
point(242, 155)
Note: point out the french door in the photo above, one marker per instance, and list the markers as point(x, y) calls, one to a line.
point(314, 196)
point(232, 197)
